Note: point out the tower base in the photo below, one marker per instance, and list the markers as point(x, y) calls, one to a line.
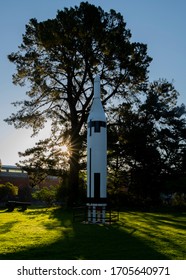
point(96, 213)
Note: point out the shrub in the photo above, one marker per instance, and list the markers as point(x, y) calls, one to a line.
point(178, 200)
point(8, 191)
point(47, 194)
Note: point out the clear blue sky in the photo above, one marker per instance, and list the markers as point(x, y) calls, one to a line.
point(158, 23)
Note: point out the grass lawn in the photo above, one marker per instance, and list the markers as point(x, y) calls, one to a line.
point(50, 234)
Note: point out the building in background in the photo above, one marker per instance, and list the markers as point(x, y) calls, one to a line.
point(20, 178)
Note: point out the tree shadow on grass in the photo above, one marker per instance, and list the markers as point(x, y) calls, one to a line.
point(176, 220)
point(85, 241)
point(6, 227)
point(168, 230)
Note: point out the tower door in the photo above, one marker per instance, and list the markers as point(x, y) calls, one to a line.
point(97, 181)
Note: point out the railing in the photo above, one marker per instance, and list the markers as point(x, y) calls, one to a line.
point(80, 214)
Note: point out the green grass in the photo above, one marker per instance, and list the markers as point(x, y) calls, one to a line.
point(51, 234)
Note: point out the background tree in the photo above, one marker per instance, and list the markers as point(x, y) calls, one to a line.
point(59, 58)
point(150, 141)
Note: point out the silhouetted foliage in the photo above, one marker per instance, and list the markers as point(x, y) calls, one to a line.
point(58, 60)
point(148, 141)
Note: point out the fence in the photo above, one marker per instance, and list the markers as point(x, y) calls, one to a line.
point(80, 214)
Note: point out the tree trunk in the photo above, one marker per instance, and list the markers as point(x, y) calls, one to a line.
point(73, 180)
point(74, 168)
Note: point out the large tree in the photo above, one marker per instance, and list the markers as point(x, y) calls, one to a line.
point(58, 60)
point(149, 141)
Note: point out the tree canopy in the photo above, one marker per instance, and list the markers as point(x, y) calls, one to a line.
point(148, 142)
point(57, 61)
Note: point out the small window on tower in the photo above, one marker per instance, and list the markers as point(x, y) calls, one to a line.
point(97, 126)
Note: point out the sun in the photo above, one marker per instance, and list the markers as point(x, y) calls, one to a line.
point(64, 149)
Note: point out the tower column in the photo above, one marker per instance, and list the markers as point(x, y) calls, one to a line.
point(96, 158)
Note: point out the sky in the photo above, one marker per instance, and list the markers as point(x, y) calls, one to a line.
point(158, 23)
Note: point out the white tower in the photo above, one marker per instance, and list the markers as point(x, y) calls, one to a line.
point(96, 158)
